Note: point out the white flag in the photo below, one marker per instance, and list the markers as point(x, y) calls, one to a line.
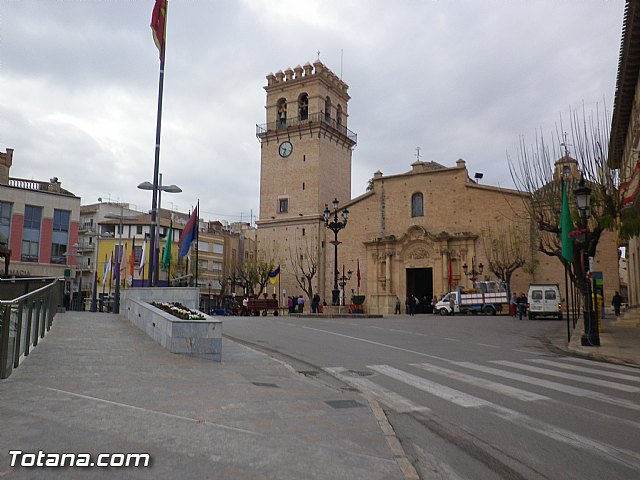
point(107, 268)
point(142, 258)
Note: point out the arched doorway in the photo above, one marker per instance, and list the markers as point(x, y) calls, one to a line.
point(420, 283)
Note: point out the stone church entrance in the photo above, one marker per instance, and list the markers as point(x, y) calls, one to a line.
point(420, 284)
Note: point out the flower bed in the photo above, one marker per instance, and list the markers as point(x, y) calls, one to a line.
point(178, 310)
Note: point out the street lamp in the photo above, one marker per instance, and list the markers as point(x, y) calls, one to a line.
point(343, 282)
point(591, 337)
point(473, 274)
point(154, 250)
point(121, 217)
point(335, 226)
point(78, 256)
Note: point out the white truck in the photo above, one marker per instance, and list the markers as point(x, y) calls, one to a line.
point(486, 297)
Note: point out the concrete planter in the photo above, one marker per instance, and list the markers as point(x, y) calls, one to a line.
point(202, 337)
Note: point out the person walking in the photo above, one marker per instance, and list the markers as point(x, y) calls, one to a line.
point(398, 305)
point(616, 301)
point(522, 305)
point(315, 303)
point(412, 305)
point(452, 304)
point(300, 304)
point(513, 305)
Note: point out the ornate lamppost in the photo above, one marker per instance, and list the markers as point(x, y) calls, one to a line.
point(335, 226)
point(474, 273)
point(343, 282)
point(591, 337)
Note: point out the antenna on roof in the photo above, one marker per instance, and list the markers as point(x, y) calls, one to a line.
point(318, 55)
point(565, 145)
point(341, 58)
point(418, 153)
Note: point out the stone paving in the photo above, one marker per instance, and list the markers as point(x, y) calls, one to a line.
point(97, 384)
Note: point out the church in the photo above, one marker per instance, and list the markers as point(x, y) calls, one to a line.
point(418, 232)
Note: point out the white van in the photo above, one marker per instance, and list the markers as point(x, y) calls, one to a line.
point(544, 301)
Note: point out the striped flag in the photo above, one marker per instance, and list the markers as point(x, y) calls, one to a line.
point(159, 26)
point(132, 258)
point(107, 268)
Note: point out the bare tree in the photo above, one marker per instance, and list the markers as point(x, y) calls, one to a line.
point(255, 274)
point(507, 248)
point(534, 172)
point(304, 261)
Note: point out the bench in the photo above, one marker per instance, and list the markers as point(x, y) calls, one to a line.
point(262, 305)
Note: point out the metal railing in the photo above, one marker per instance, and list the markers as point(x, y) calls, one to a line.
point(26, 319)
point(310, 120)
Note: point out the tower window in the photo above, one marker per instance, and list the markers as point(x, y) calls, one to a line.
point(416, 205)
point(339, 115)
point(303, 185)
point(566, 171)
point(282, 113)
point(303, 107)
point(327, 109)
point(283, 205)
point(303, 232)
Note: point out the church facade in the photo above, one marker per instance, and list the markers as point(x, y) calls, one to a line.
point(416, 232)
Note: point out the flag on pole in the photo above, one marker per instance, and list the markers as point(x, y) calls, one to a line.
point(566, 227)
point(166, 256)
point(132, 259)
point(123, 262)
point(188, 234)
point(274, 276)
point(142, 258)
point(159, 26)
point(107, 268)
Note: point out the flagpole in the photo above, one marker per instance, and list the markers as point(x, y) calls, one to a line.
point(197, 235)
point(154, 249)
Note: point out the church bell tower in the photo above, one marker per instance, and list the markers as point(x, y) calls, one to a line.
point(305, 163)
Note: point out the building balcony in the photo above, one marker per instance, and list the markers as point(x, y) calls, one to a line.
point(314, 120)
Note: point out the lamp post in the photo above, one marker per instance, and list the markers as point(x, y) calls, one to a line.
point(154, 250)
point(591, 337)
point(343, 282)
point(473, 274)
point(121, 217)
point(78, 256)
point(94, 289)
point(335, 226)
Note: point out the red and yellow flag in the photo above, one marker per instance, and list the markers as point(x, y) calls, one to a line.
point(159, 25)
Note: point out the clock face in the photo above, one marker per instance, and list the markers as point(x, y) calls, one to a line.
point(285, 149)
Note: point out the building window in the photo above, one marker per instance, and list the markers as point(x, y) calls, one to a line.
point(303, 232)
point(282, 113)
point(327, 109)
point(138, 229)
point(339, 115)
point(566, 171)
point(218, 248)
point(60, 236)
point(5, 219)
point(31, 234)
point(303, 185)
point(416, 205)
point(303, 107)
point(283, 205)
point(217, 266)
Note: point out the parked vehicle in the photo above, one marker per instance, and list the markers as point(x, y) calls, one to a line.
point(486, 297)
point(544, 301)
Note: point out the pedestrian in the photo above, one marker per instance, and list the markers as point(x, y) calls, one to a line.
point(522, 305)
point(315, 303)
point(398, 304)
point(425, 304)
point(434, 301)
point(452, 303)
point(290, 303)
point(616, 301)
point(300, 304)
point(412, 304)
point(513, 305)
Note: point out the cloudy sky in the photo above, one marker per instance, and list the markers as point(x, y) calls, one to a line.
point(457, 78)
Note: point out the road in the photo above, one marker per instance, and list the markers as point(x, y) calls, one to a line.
point(472, 397)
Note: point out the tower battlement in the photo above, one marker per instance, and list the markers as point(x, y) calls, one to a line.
point(317, 69)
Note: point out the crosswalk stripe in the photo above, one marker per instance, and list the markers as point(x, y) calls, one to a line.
point(391, 399)
point(454, 396)
point(483, 383)
point(559, 387)
point(610, 366)
point(568, 376)
point(577, 368)
point(622, 456)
